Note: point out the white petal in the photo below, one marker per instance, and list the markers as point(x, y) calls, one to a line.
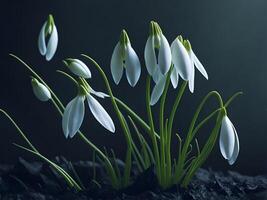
point(99, 94)
point(199, 66)
point(100, 114)
point(116, 63)
point(73, 116)
point(65, 119)
point(174, 78)
point(181, 60)
point(157, 91)
point(192, 80)
point(41, 92)
point(41, 40)
point(165, 56)
point(132, 65)
point(150, 56)
point(79, 68)
point(52, 44)
point(157, 76)
point(234, 156)
point(227, 138)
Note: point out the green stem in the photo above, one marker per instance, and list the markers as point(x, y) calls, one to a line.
point(19, 130)
point(70, 181)
point(60, 107)
point(228, 102)
point(66, 176)
point(163, 134)
point(205, 151)
point(191, 134)
point(152, 130)
point(170, 124)
point(126, 134)
point(134, 116)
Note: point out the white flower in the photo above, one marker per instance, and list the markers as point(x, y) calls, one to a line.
point(124, 56)
point(40, 91)
point(184, 60)
point(229, 142)
point(157, 51)
point(74, 113)
point(78, 68)
point(157, 59)
point(48, 33)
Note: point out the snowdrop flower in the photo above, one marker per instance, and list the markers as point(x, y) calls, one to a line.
point(124, 56)
point(157, 51)
point(40, 91)
point(77, 67)
point(48, 38)
point(184, 60)
point(74, 112)
point(157, 59)
point(229, 142)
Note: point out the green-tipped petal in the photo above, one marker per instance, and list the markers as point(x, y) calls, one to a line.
point(100, 114)
point(116, 63)
point(132, 65)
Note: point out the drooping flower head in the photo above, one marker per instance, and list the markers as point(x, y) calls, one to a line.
point(124, 56)
point(48, 38)
point(229, 142)
point(77, 67)
point(157, 52)
point(185, 60)
point(74, 112)
point(157, 59)
point(40, 91)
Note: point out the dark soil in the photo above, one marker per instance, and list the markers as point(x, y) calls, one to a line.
point(36, 180)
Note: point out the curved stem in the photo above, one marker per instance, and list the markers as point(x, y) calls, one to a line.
point(60, 107)
point(228, 102)
point(19, 130)
point(205, 151)
point(39, 78)
point(131, 113)
point(124, 128)
point(66, 176)
point(68, 76)
point(191, 134)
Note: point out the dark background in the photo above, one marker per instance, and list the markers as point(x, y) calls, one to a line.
point(229, 37)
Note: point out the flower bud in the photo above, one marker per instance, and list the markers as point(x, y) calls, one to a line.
point(77, 67)
point(41, 92)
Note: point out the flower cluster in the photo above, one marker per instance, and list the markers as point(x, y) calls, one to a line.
point(159, 59)
point(165, 64)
